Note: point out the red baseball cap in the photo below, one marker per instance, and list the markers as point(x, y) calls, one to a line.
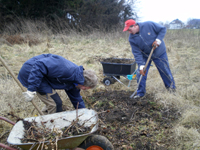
point(128, 23)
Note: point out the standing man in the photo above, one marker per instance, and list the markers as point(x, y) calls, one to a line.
point(142, 38)
point(45, 73)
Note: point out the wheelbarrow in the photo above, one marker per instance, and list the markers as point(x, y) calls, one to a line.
point(113, 68)
point(87, 141)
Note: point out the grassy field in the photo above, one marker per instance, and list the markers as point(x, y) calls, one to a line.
point(183, 48)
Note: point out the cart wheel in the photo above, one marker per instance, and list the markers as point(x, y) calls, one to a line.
point(96, 142)
point(107, 81)
point(118, 77)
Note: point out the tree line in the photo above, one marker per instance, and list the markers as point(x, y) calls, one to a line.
point(76, 14)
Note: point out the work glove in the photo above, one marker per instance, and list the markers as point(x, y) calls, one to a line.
point(142, 72)
point(156, 43)
point(28, 95)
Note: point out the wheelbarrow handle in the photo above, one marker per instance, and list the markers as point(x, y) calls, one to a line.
point(10, 71)
point(7, 147)
point(7, 120)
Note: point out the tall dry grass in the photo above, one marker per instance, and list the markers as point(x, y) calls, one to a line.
point(183, 48)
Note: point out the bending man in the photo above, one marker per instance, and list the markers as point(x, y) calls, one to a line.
point(45, 73)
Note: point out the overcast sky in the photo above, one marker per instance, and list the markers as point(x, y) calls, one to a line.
point(168, 10)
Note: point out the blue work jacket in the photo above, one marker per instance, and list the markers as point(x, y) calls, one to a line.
point(45, 72)
point(141, 43)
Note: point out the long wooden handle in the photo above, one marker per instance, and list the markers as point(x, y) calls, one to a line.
point(20, 85)
point(145, 67)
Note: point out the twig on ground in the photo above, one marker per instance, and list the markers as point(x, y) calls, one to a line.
point(133, 114)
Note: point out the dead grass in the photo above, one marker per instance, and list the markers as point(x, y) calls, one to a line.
point(20, 39)
point(183, 53)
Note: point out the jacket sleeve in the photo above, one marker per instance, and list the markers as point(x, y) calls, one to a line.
point(38, 71)
point(160, 30)
point(137, 54)
point(75, 98)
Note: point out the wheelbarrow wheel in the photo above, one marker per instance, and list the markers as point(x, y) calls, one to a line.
point(107, 81)
point(96, 142)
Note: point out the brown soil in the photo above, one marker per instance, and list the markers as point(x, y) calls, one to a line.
point(118, 60)
point(139, 124)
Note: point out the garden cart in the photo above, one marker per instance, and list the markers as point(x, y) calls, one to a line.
point(113, 68)
point(59, 122)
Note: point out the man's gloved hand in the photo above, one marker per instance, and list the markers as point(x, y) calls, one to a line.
point(156, 43)
point(28, 95)
point(142, 72)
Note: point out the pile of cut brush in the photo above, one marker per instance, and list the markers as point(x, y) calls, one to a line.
point(35, 133)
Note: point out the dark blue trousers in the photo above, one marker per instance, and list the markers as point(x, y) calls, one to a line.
point(162, 65)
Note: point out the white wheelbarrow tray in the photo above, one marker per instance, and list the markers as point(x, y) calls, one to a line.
point(63, 119)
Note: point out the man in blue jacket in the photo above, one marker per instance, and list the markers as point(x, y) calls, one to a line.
point(45, 73)
point(142, 38)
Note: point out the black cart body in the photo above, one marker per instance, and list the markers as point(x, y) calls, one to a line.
point(117, 67)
